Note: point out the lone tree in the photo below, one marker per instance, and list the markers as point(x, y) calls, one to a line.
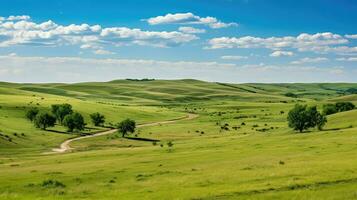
point(97, 119)
point(44, 120)
point(302, 118)
point(74, 121)
point(126, 126)
point(31, 114)
point(61, 110)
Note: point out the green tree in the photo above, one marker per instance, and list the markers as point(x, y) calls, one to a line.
point(329, 109)
point(126, 126)
point(316, 119)
point(321, 121)
point(302, 118)
point(297, 118)
point(74, 121)
point(97, 119)
point(44, 120)
point(61, 110)
point(31, 114)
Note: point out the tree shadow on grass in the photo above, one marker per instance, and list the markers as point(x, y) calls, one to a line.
point(56, 131)
point(336, 129)
point(141, 139)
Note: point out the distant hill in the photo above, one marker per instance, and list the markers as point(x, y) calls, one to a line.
point(150, 91)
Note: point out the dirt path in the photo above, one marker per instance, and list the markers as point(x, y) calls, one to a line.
point(66, 147)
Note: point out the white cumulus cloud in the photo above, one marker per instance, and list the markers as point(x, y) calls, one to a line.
point(192, 30)
point(319, 43)
point(354, 36)
point(20, 30)
point(189, 18)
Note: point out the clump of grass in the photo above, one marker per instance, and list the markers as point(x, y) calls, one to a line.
point(170, 144)
point(112, 180)
point(52, 184)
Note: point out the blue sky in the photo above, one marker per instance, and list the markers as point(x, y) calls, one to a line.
point(216, 40)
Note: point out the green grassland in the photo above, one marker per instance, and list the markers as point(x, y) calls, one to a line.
point(239, 146)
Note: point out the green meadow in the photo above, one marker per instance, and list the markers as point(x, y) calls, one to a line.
point(238, 147)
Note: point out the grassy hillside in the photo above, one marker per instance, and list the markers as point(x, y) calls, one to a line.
point(239, 147)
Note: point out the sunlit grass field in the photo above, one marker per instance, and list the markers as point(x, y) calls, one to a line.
point(239, 146)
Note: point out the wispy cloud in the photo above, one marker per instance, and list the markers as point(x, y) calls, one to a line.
point(230, 57)
point(309, 60)
point(103, 52)
point(351, 59)
point(75, 69)
point(281, 53)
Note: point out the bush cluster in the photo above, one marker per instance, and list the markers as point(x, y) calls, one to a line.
point(329, 109)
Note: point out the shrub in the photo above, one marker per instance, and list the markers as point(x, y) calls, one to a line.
point(170, 144)
point(52, 184)
point(329, 109)
point(344, 106)
point(31, 114)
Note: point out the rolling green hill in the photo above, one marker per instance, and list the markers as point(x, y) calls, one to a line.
point(239, 147)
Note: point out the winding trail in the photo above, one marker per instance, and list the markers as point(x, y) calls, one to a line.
point(65, 146)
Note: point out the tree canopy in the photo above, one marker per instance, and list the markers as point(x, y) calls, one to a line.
point(61, 110)
point(74, 121)
point(31, 114)
point(126, 126)
point(44, 120)
point(302, 118)
point(97, 119)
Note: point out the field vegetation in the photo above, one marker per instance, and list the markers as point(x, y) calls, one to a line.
point(229, 141)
